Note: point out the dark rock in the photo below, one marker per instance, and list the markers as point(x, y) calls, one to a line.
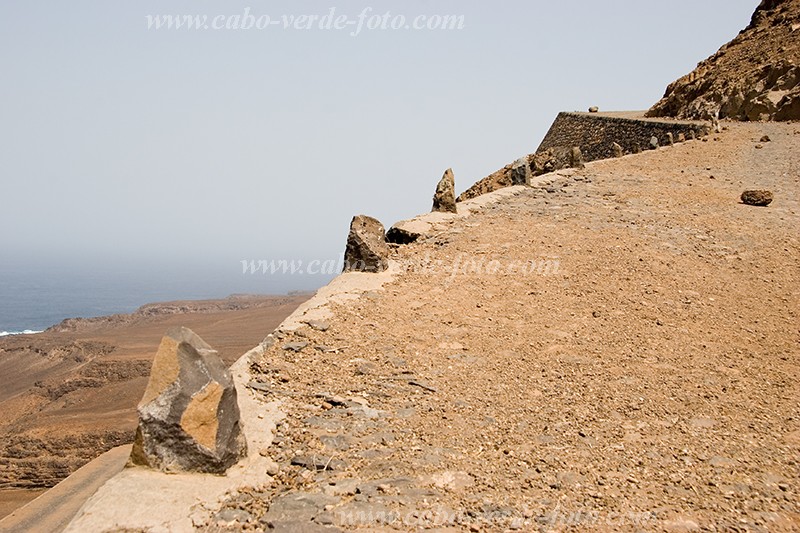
point(421, 384)
point(757, 197)
point(444, 199)
point(366, 249)
point(765, 139)
point(188, 417)
point(594, 109)
point(521, 173)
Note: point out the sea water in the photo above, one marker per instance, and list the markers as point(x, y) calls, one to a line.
point(33, 297)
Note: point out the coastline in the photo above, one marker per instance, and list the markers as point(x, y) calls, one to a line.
point(74, 387)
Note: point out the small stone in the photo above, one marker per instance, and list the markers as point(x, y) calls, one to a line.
point(618, 151)
point(343, 487)
point(653, 142)
point(366, 249)
point(295, 346)
point(692, 135)
point(765, 139)
point(444, 199)
point(670, 138)
point(594, 109)
point(421, 384)
point(760, 198)
point(681, 137)
point(759, 146)
point(318, 325)
point(596, 314)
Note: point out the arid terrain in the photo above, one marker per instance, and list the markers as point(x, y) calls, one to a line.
point(70, 393)
point(642, 376)
point(754, 77)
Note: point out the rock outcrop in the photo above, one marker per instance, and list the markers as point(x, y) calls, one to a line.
point(366, 249)
point(756, 76)
point(189, 416)
point(444, 199)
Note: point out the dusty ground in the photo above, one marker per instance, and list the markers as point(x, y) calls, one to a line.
point(642, 376)
point(69, 394)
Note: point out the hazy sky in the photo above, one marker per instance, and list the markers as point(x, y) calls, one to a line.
point(123, 143)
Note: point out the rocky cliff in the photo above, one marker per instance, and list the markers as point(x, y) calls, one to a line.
point(754, 77)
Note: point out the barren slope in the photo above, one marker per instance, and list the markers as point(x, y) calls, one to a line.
point(650, 382)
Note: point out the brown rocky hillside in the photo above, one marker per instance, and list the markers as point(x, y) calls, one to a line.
point(754, 77)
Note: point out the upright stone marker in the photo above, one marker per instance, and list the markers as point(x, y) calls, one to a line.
point(521, 173)
point(366, 249)
point(444, 199)
point(188, 417)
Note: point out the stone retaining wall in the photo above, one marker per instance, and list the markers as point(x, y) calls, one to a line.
point(596, 133)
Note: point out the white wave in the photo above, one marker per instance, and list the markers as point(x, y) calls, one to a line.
point(23, 332)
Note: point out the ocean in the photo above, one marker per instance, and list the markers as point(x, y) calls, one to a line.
point(33, 297)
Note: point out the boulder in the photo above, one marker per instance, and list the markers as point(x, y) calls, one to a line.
point(576, 158)
point(445, 197)
point(521, 173)
point(544, 161)
point(618, 151)
point(757, 197)
point(189, 416)
point(366, 249)
point(653, 142)
point(594, 109)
